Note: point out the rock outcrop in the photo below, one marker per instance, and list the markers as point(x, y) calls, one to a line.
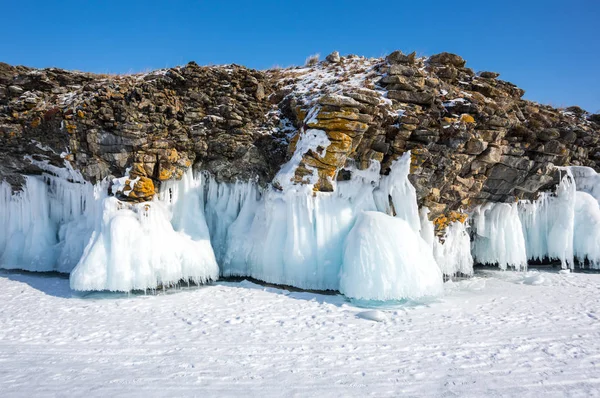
point(472, 137)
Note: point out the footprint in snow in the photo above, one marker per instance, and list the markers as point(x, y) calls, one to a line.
point(534, 280)
point(373, 315)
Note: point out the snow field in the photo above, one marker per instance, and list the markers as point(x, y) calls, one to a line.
point(496, 334)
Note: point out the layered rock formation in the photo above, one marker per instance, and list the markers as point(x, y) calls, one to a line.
point(472, 137)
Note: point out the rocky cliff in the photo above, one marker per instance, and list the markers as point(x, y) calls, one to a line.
point(472, 137)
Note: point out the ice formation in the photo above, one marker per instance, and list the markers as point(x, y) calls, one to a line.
point(365, 239)
point(499, 236)
point(548, 223)
point(59, 222)
point(563, 225)
point(385, 259)
point(453, 252)
point(297, 237)
point(45, 227)
point(586, 237)
point(146, 245)
point(291, 236)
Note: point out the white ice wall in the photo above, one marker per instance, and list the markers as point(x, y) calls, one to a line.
point(292, 236)
point(296, 236)
point(44, 226)
point(563, 225)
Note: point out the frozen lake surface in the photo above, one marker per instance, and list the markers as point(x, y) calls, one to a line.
point(497, 334)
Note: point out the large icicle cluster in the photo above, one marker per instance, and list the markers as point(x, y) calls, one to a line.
point(300, 238)
point(60, 223)
point(47, 225)
point(564, 226)
point(141, 246)
point(364, 239)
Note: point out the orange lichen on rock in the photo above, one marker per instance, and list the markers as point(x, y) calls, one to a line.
point(71, 128)
point(466, 118)
point(36, 122)
point(165, 174)
point(442, 221)
point(143, 189)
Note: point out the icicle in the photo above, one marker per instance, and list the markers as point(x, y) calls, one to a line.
point(499, 236)
point(146, 245)
point(453, 253)
point(295, 237)
point(548, 223)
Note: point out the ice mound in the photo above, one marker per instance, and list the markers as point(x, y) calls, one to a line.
point(586, 236)
point(145, 245)
point(385, 259)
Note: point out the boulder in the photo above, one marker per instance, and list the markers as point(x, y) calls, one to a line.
point(334, 57)
point(447, 59)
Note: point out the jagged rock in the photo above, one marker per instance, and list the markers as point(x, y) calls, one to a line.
point(476, 146)
point(334, 57)
point(548, 134)
point(338, 100)
point(404, 70)
point(472, 137)
point(412, 97)
point(397, 57)
point(489, 75)
point(447, 59)
point(15, 90)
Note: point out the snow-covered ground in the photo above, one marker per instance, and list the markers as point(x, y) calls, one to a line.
point(497, 334)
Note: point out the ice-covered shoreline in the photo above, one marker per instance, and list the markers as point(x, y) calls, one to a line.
point(319, 241)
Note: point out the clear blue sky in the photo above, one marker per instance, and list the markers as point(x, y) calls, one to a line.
point(550, 48)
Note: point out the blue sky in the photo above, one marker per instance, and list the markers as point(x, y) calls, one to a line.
point(550, 48)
